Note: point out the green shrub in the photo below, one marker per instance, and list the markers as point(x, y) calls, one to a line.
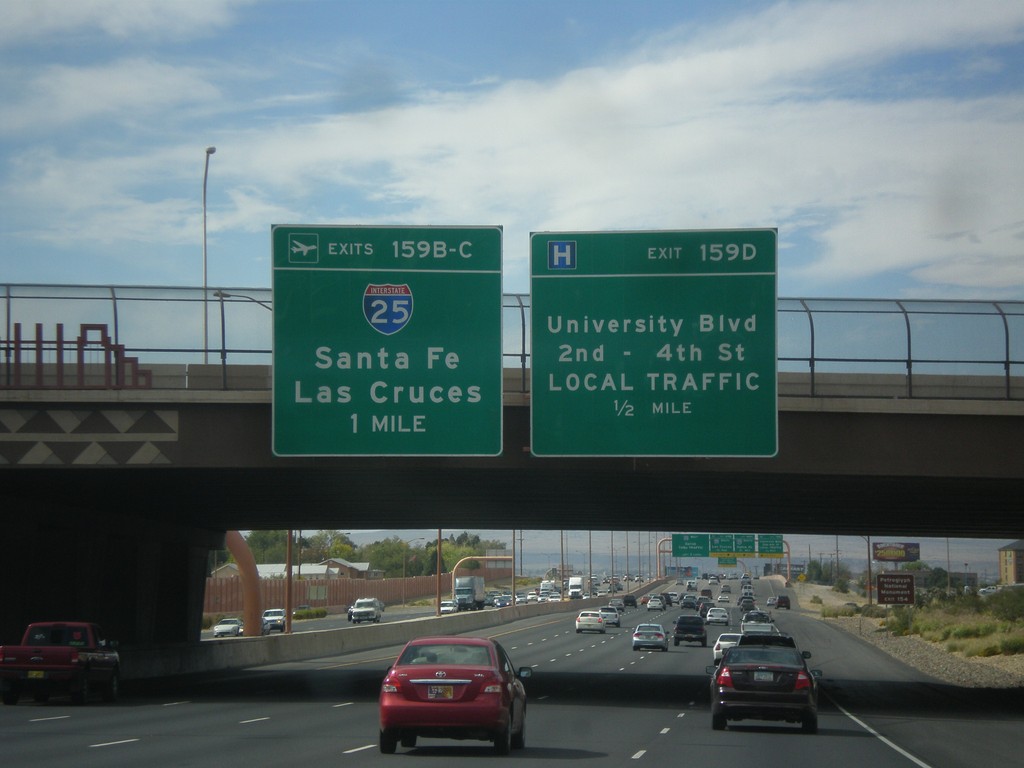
point(900, 620)
point(1006, 604)
point(874, 611)
point(310, 613)
point(1012, 645)
point(816, 600)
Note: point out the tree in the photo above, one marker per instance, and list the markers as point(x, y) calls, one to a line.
point(268, 546)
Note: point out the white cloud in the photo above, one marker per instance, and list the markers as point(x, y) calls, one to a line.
point(50, 20)
point(771, 120)
point(126, 91)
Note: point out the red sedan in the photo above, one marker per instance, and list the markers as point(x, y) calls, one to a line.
point(453, 688)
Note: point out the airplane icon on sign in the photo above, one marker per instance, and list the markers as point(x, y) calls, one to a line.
point(303, 249)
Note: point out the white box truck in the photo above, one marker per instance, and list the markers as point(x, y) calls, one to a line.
point(575, 587)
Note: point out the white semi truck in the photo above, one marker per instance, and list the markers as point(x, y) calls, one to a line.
point(575, 587)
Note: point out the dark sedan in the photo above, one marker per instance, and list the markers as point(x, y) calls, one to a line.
point(455, 688)
point(764, 683)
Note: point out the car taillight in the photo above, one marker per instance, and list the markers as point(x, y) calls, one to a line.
point(802, 681)
point(724, 678)
point(390, 685)
point(74, 656)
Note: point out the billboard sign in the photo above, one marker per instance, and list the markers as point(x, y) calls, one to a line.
point(895, 552)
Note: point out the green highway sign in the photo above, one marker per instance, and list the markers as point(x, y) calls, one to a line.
point(770, 545)
point(744, 545)
point(658, 343)
point(690, 545)
point(726, 546)
point(722, 545)
point(387, 341)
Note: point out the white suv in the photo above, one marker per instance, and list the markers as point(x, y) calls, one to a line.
point(273, 618)
point(366, 609)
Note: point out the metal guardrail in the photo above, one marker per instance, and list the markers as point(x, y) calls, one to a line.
point(160, 327)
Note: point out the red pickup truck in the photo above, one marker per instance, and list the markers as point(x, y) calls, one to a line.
point(60, 656)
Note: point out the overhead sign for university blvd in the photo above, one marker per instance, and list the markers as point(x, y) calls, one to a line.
point(657, 343)
point(387, 341)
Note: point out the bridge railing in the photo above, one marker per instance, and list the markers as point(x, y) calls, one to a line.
point(156, 337)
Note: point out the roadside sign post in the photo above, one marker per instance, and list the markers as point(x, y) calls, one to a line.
point(895, 588)
point(387, 341)
point(657, 343)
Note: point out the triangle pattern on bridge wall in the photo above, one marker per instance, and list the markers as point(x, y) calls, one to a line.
point(87, 437)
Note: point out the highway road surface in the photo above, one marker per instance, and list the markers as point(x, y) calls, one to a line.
point(592, 700)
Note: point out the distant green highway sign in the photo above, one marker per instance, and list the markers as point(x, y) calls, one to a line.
point(387, 341)
point(726, 545)
point(658, 343)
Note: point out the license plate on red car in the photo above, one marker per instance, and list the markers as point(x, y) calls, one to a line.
point(763, 677)
point(439, 692)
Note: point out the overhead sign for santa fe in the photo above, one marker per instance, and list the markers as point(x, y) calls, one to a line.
point(387, 340)
point(658, 343)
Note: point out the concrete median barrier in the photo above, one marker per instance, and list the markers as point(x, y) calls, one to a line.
point(234, 653)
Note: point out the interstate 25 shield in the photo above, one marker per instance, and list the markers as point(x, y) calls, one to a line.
point(387, 308)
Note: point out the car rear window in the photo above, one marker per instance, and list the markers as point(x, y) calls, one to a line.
point(446, 653)
point(73, 636)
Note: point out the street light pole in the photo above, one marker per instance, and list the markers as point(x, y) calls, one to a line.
point(206, 322)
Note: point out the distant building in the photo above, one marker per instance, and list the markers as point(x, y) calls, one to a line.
point(1011, 563)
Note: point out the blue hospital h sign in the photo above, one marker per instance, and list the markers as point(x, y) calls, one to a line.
point(561, 254)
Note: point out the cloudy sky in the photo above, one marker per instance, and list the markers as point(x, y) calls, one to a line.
point(882, 139)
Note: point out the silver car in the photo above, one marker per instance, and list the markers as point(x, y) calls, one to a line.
point(651, 636)
point(228, 627)
point(610, 615)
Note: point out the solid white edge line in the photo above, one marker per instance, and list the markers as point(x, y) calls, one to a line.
point(893, 746)
point(358, 749)
point(113, 743)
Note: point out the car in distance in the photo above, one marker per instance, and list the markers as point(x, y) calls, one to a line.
point(273, 618)
point(610, 615)
point(764, 683)
point(655, 603)
point(725, 640)
point(689, 628)
point(782, 601)
point(717, 616)
point(650, 636)
point(367, 609)
point(723, 598)
point(448, 606)
point(228, 628)
point(746, 603)
point(453, 687)
point(629, 601)
point(590, 621)
point(688, 601)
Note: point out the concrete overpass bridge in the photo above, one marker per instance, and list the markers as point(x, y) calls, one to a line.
point(127, 449)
